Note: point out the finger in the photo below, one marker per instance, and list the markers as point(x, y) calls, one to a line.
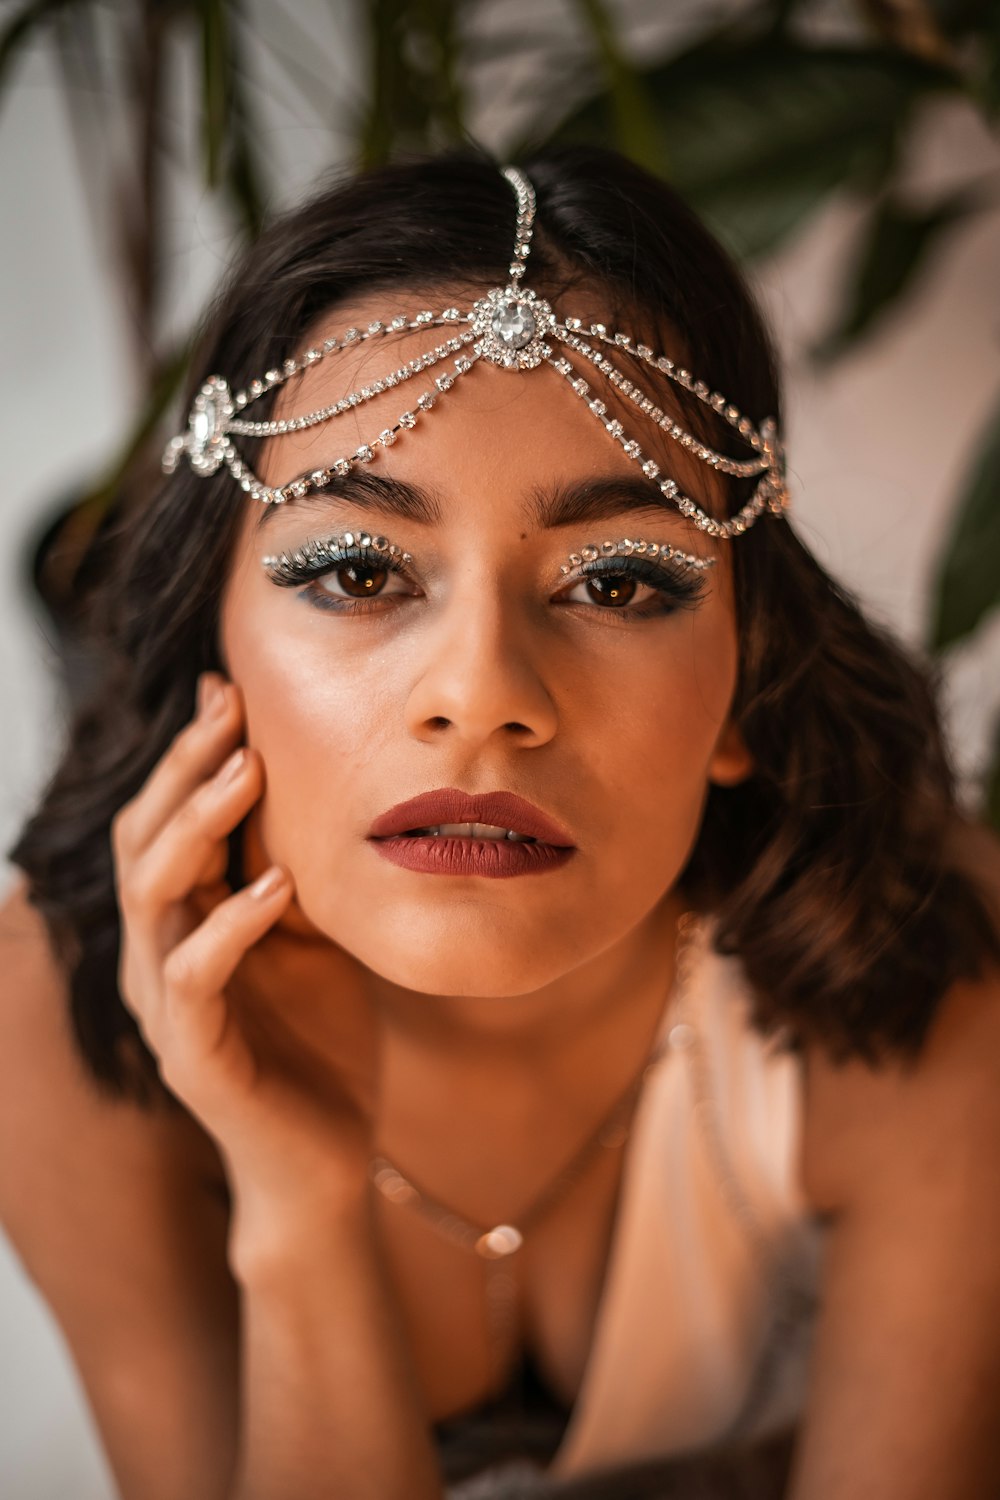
point(196, 972)
point(194, 754)
point(190, 849)
point(140, 957)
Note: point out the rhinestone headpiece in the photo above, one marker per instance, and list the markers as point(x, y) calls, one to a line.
point(515, 329)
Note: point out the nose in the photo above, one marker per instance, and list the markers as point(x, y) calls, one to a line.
point(479, 674)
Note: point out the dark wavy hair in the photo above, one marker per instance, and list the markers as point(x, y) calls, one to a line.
point(828, 871)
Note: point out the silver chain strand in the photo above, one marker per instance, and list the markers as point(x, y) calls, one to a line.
point(509, 327)
point(355, 398)
point(497, 1245)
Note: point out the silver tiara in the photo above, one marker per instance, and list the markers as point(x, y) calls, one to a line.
point(511, 327)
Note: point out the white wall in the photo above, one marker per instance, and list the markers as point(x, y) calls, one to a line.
point(877, 450)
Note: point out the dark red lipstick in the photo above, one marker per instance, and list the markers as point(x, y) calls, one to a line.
point(403, 835)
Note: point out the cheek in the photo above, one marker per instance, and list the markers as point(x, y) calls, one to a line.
point(317, 722)
point(667, 714)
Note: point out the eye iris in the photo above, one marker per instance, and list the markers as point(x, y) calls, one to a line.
point(363, 585)
point(613, 588)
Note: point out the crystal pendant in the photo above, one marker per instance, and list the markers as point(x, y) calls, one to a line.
point(513, 324)
point(502, 1240)
point(510, 325)
point(203, 426)
point(212, 408)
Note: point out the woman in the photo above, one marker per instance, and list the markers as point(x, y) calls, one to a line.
point(398, 878)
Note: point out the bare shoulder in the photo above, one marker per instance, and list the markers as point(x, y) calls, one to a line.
point(868, 1129)
point(902, 1163)
point(109, 1208)
point(39, 1049)
point(46, 1089)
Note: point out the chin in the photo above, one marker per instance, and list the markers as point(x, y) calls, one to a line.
point(479, 970)
point(453, 965)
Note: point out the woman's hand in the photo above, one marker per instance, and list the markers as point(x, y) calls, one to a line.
point(268, 1038)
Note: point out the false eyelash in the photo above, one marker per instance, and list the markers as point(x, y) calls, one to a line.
point(318, 558)
point(681, 585)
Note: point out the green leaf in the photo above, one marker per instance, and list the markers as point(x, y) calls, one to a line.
point(395, 109)
point(973, 29)
point(416, 102)
point(896, 247)
point(243, 176)
point(758, 132)
point(989, 84)
point(635, 125)
point(967, 586)
point(230, 138)
point(216, 93)
point(21, 28)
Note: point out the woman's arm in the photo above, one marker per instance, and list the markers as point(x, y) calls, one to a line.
point(904, 1394)
point(267, 1034)
point(110, 1212)
point(329, 1399)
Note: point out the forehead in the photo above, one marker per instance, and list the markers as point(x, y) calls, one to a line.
point(499, 444)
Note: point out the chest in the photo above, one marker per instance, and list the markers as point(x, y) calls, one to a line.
point(464, 1333)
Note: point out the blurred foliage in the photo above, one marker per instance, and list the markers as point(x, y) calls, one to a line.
point(749, 110)
point(968, 579)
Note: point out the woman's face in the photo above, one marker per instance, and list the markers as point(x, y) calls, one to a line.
point(483, 668)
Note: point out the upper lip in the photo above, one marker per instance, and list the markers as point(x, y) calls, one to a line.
point(451, 805)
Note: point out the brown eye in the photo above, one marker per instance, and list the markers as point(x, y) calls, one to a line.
point(362, 581)
point(355, 580)
point(613, 589)
point(611, 586)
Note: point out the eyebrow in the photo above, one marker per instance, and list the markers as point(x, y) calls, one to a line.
point(594, 498)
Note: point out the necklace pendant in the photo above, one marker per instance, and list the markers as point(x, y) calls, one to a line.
point(502, 1240)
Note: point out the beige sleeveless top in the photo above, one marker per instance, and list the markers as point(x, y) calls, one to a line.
point(706, 1320)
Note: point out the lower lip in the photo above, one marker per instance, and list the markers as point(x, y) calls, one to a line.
point(494, 859)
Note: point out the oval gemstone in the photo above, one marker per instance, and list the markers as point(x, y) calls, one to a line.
point(203, 424)
point(514, 324)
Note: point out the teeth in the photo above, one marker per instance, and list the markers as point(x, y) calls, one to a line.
point(475, 831)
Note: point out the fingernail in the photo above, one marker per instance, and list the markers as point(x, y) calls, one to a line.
point(233, 766)
point(216, 698)
point(211, 694)
point(269, 883)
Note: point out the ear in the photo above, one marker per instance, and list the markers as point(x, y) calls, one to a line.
point(731, 761)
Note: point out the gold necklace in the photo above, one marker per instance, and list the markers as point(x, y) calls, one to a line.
point(497, 1245)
